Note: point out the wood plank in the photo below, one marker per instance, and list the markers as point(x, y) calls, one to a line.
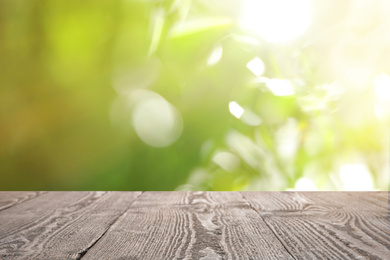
point(59, 225)
point(327, 225)
point(17, 217)
point(189, 225)
point(11, 198)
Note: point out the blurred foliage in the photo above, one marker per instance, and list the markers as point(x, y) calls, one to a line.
point(135, 95)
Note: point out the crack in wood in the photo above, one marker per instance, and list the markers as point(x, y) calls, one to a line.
point(276, 236)
point(81, 254)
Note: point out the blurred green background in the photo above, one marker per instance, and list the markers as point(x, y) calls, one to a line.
point(194, 95)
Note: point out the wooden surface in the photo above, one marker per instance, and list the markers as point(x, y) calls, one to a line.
point(194, 225)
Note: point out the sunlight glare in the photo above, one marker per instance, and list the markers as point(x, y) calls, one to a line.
point(277, 20)
point(382, 111)
point(382, 86)
point(305, 184)
point(256, 65)
point(235, 109)
point(281, 87)
point(356, 177)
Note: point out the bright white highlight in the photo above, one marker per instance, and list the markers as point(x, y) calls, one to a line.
point(256, 66)
point(156, 121)
point(382, 111)
point(277, 20)
point(382, 86)
point(305, 184)
point(235, 109)
point(215, 56)
point(356, 177)
point(281, 87)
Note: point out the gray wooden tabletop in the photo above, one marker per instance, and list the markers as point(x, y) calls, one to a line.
point(194, 225)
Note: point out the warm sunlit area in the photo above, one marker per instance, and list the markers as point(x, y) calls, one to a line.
point(194, 95)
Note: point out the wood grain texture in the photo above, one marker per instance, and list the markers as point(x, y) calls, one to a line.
point(59, 225)
point(327, 225)
point(189, 225)
point(194, 225)
point(11, 198)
